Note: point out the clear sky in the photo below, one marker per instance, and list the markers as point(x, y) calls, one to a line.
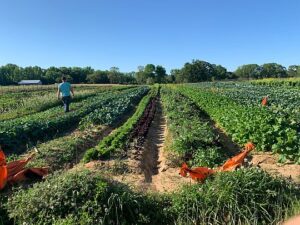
point(129, 33)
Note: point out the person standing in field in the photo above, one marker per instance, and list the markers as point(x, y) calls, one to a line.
point(64, 91)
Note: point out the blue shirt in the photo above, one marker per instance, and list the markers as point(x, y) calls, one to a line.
point(65, 89)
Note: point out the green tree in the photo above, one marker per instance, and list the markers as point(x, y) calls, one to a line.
point(114, 75)
point(51, 75)
point(220, 72)
point(160, 74)
point(98, 77)
point(248, 71)
point(294, 71)
point(144, 73)
point(197, 71)
point(273, 70)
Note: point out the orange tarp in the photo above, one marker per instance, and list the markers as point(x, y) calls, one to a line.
point(201, 173)
point(3, 170)
point(264, 101)
point(13, 172)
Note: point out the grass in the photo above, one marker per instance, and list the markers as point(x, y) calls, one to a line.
point(246, 196)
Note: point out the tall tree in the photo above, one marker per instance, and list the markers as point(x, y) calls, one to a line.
point(160, 74)
point(294, 71)
point(220, 72)
point(197, 71)
point(273, 70)
point(248, 71)
point(98, 77)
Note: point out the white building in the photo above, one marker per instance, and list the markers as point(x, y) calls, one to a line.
point(30, 82)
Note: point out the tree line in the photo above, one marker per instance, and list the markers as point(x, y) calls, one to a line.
point(195, 71)
point(268, 70)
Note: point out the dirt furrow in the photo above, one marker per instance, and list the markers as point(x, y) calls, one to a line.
point(156, 174)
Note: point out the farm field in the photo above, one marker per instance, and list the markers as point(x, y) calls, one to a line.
point(115, 158)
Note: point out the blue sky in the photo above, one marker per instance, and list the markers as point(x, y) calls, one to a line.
point(129, 33)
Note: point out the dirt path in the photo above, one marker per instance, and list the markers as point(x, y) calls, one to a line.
point(146, 165)
point(158, 176)
point(269, 162)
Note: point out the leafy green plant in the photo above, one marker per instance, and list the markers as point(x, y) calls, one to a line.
point(15, 134)
point(118, 139)
point(192, 137)
point(246, 196)
point(81, 197)
point(58, 153)
point(243, 123)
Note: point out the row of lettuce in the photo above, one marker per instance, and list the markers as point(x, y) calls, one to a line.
point(236, 109)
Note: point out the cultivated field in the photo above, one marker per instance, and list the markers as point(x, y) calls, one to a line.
point(115, 157)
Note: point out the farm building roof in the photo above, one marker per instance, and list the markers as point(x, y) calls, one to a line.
point(30, 82)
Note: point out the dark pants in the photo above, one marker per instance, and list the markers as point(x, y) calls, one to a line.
point(66, 100)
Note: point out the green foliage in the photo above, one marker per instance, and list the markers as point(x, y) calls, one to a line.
point(113, 110)
point(98, 77)
point(294, 71)
point(246, 196)
point(248, 71)
point(285, 82)
point(118, 139)
point(16, 105)
point(192, 137)
point(151, 74)
point(40, 126)
point(11, 74)
point(254, 71)
point(58, 153)
point(4, 219)
point(81, 197)
point(199, 71)
point(273, 70)
point(209, 157)
point(266, 130)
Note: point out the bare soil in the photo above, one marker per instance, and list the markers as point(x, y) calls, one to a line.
point(146, 167)
point(269, 162)
point(148, 163)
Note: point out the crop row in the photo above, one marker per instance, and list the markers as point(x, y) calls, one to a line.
point(192, 137)
point(41, 126)
point(282, 101)
point(295, 82)
point(20, 104)
point(244, 123)
point(60, 152)
point(119, 138)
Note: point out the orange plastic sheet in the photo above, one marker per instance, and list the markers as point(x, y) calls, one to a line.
point(3, 170)
point(15, 171)
point(201, 173)
point(264, 101)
